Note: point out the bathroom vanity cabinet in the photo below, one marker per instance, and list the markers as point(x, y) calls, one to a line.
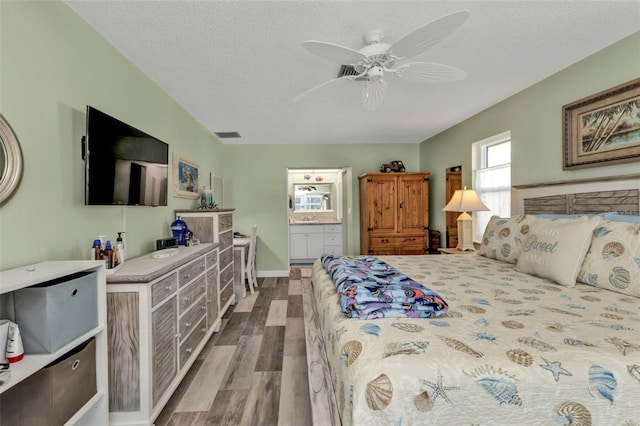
point(309, 242)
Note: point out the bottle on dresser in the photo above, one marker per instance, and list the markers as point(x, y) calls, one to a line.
point(119, 250)
point(108, 254)
point(96, 250)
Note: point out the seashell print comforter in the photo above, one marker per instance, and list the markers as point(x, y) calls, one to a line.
point(513, 349)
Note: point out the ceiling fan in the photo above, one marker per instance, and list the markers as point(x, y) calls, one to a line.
point(376, 60)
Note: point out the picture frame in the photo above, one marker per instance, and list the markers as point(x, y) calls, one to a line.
point(603, 129)
point(186, 176)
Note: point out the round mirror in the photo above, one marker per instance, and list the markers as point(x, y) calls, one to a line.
point(10, 160)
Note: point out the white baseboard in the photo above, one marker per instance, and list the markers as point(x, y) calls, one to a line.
point(267, 274)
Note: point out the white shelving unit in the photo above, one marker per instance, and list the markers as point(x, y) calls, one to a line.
point(95, 411)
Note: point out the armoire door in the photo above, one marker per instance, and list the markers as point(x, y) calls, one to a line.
point(413, 204)
point(454, 182)
point(381, 201)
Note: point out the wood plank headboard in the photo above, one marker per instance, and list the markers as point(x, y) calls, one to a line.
point(621, 194)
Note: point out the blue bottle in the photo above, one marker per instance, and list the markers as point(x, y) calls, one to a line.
point(179, 228)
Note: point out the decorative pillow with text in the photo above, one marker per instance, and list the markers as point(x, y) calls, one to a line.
point(613, 261)
point(556, 250)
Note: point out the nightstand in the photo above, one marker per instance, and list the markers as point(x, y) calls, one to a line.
point(453, 250)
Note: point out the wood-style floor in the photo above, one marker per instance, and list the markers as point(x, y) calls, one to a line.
point(254, 371)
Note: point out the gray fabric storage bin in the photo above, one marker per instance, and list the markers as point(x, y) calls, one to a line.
point(52, 395)
point(54, 313)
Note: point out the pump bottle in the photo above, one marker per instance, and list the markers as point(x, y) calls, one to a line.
point(120, 248)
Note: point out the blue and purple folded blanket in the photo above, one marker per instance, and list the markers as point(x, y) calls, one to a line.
point(370, 288)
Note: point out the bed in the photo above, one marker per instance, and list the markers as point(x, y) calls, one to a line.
point(514, 346)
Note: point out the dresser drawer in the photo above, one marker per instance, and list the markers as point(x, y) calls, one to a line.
point(226, 240)
point(163, 288)
point(188, 347)
point(211, 259)
point(212, 296)
point(226, 276)
point(333, 250)
point(333, 228)
point(163, 330)
point(415, 240)
point(226, 258)
point(306, 229)
point(226, 221)
point(189, 272)
point(192, 317)
point(226, 294)
point(332, 239)
point(191, 293)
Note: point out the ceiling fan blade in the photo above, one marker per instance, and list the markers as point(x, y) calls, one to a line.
point(334, 85)
point(427, 36)
point(427, 72)
point(333, 52)
point(373, 94)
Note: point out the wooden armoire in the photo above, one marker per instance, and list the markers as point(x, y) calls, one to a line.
point(394, 213)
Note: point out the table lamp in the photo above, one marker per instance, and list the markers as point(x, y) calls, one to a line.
point(465, 200)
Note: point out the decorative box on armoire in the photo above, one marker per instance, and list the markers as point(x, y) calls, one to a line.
point(394, 213)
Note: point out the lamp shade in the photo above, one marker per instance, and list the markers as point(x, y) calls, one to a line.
point(465, 200)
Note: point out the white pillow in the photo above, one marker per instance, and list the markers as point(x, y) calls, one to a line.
point(556, 250)
point(613, 261)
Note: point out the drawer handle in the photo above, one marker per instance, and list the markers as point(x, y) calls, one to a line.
point(204, 329)
point(187, 275)
point(187, 299)
point(168, 287)
point(203, 307)
point(202, 266)
point(76, 364)
point(187, 325)
point(384, 241)
point(178, 335)
point(188, 350)
point(74, 292)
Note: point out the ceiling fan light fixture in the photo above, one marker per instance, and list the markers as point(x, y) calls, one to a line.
point(371, 62)
point(373, 94)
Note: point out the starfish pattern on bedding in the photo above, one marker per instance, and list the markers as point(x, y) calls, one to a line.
point(555, 368)
point(438, 388)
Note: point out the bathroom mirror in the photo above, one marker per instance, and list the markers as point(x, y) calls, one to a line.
point(313, 197)
point(10, 160)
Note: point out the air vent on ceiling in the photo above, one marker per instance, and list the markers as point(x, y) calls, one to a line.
point(346, 70)
point(223, 135)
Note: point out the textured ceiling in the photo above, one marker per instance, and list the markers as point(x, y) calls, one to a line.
point(237, 65)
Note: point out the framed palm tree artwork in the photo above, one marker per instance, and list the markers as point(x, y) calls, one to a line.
point(603, 129)
point(185, 177)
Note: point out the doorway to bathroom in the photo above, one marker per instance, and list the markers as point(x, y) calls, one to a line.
point(319, 213)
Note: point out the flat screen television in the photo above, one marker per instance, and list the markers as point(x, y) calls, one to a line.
point(123, 165)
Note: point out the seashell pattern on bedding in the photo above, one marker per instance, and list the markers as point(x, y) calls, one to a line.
point(512, 349)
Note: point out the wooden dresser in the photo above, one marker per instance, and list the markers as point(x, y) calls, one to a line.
point(216, 226)
point(160, 313)
point(394, 213)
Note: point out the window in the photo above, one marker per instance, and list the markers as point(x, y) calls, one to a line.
point(491, 160)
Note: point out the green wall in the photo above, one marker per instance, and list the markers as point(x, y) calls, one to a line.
point(534, 117)
point(52, 64)
point(256, 186)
